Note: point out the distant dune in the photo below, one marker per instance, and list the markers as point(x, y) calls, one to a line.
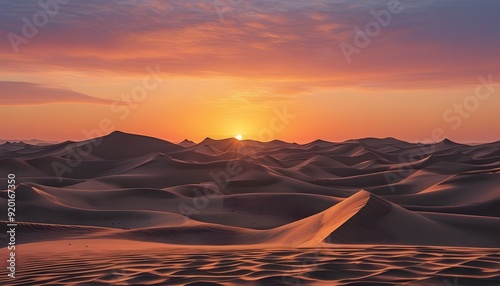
point(126, 209)
point(230, 192)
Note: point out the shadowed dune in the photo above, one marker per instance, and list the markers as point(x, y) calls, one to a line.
point(274, 195)
point(278, 190)
point(363, 218)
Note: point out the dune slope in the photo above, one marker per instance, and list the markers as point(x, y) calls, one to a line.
point(230, 192)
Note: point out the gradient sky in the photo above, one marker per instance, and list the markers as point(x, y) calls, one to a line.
point(219, 68)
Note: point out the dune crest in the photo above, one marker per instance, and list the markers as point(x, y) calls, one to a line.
point(231, 192)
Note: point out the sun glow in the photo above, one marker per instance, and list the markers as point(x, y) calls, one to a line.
point(239, 137)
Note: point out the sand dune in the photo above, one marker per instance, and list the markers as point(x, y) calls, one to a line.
point(363, 218)
point(132, 181)
point(262, 195)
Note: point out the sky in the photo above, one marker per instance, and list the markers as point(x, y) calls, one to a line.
point(266, 69)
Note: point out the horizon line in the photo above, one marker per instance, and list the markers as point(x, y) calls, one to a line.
point(179, 141)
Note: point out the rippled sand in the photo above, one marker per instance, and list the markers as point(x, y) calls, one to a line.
point(381, 265)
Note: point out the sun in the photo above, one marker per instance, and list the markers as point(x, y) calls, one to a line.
point(239, 137)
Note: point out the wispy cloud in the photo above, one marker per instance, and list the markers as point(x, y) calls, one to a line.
point(292, 39)
point(25, 93)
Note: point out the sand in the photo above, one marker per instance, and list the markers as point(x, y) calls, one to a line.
point(258, 199)
point(115, 262)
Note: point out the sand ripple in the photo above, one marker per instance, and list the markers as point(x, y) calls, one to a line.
point(381, 265)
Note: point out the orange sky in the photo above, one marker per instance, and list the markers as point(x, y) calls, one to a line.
point(198, 69)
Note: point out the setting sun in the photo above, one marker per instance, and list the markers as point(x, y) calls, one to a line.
point(367, 123)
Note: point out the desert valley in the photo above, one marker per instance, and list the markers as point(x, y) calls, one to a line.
point(126, 209)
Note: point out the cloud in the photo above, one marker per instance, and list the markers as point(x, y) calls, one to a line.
point(254, 99)
point(25, 93)
point(292, 39)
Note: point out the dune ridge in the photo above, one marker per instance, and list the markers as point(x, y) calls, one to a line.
point(364, 191)
point(142, 211)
